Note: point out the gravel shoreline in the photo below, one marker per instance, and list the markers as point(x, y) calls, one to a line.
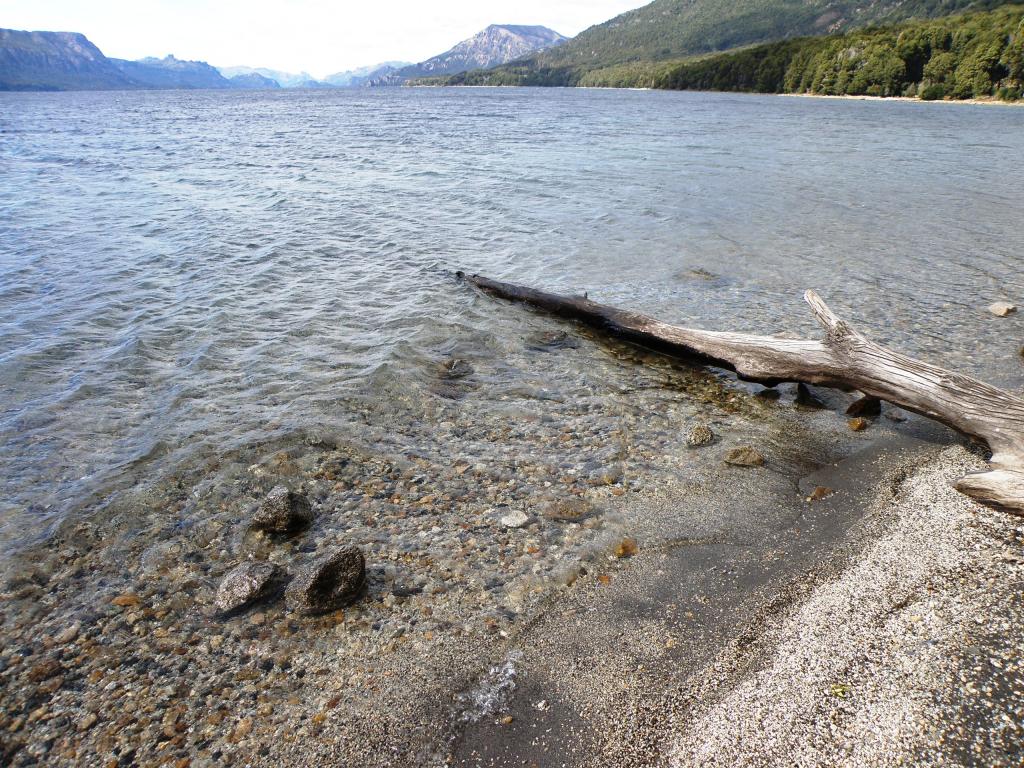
point(908, 655)
point(748, 621)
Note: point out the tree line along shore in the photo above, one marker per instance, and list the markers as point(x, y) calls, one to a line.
point(964, 56)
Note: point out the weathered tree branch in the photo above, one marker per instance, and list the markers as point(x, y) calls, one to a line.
point(844, 359)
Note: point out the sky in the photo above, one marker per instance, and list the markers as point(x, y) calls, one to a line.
point(316, 36)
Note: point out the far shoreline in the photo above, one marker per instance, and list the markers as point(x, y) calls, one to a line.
point(845, 97)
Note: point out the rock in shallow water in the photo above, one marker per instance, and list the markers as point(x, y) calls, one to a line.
point(246, 584)
point(571, 510)
point(454, 368)
point(806, 399)
point(329, 582)
point(551, 340)
point(744, 456)
point(865, 406)
point(1001, 308)
point(283, 511)
point(515, 519)
point(700, 435)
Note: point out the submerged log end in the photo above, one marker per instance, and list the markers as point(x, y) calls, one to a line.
point(997, 487)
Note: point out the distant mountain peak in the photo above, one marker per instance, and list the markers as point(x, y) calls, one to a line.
point(494, 45)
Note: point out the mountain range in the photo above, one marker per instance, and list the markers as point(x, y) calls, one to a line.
point(497, 44)
point(60, 61)
point(283, 79)
point(663, 31)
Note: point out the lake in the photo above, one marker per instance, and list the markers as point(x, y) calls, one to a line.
point(192, 281)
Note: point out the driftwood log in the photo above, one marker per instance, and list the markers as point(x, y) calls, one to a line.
point(844, 359)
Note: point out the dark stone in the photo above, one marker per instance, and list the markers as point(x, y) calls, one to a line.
point(406, 591)
point(328, 583)
point(283, 511)
point(866, 406)
point(245, 584)
point(805, 399)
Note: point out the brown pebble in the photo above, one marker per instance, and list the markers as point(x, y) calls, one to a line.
point(87, 722)
point(44, 670)
point(858, 424)
point(68, 634)
point(242, 729)
point(507, 720)
point(126, 600)
point(820, 493)
point(744, 456)
point(51, 685)
point(626, 548)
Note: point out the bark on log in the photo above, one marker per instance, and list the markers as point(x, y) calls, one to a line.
point(844, 359)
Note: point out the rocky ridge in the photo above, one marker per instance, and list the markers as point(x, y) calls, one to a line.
point(497, 44)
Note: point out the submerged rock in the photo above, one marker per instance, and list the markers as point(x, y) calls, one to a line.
point(283, 511)
point(570, 510)
point(44, 670)
point(68, 634)
point(806, 399)
point(328, 583)
point(610, 475)
point(865, 406)
point(454, 368)
point(515, 519)
point(551, 340)
point(744, 456)
point(245, 584)
point(1002, 308)
point(700, 435)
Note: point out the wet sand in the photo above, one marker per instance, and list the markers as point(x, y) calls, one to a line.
point(864, 634)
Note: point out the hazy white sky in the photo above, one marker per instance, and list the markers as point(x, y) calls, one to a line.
point(318, 36)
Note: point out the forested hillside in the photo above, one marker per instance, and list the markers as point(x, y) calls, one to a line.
point(959, 57)
point(668, 30)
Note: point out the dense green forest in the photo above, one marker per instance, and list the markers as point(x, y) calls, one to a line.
point(972, 55)
point(975, 55)
point(672, 30)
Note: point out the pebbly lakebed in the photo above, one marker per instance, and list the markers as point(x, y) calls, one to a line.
point(206, 296)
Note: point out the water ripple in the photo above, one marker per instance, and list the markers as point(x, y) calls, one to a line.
point(185, 273)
